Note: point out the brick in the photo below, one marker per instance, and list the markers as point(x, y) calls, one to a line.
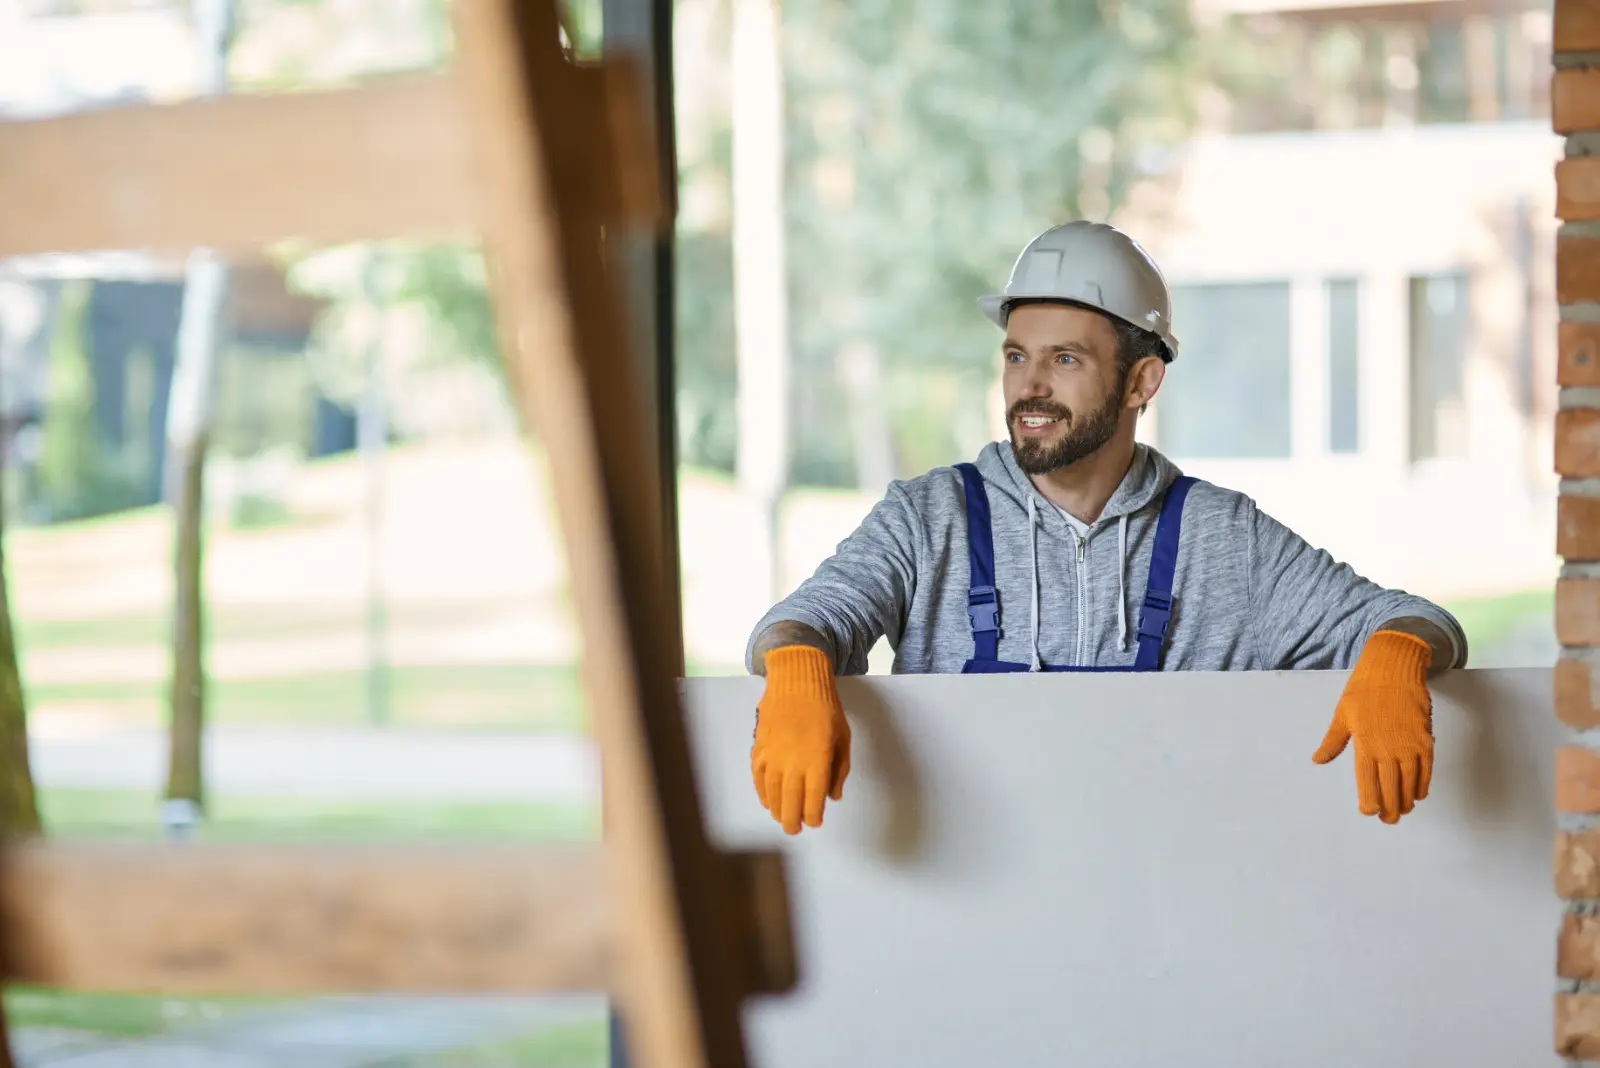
point(1579, 346)
point(1577, 26)
point(1575, 863)
point(1578, 1025)
point(1578, 443)
point(1577, 269)
point(1578, 189)
point(1575, 100)
point(1578, 527)
point(1577, 780)
point(1578, 947)
point(1575, 689)
point(1578, 611)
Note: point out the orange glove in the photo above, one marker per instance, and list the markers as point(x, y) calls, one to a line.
point(801, 753)
point(1386, 708)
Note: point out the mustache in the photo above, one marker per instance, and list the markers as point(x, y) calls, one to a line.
point(1038, 407)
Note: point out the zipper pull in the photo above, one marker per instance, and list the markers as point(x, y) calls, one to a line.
point(1083, 544)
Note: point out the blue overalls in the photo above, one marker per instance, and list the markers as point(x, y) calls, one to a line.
point(983, 601)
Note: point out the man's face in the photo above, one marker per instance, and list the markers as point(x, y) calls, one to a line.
point(1064, 391)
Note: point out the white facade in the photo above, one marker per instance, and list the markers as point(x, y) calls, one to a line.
point(1468, 509)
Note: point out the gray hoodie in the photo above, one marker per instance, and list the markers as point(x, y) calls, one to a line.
point(1249, 594)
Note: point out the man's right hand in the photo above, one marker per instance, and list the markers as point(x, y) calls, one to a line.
point(801, 753)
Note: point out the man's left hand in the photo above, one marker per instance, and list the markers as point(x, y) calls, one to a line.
point(1387, 709)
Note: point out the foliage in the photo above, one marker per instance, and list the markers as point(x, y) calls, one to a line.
point(706, 375)
point(76, 476)
point(926, 144)
point(417, 304)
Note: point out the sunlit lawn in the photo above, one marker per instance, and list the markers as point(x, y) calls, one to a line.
point(1490, 619)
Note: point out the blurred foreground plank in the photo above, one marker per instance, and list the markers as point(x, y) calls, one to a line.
point(300, 919)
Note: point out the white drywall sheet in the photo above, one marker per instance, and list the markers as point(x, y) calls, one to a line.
point(1148, 870)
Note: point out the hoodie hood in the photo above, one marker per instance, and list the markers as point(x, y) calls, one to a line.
point(1147, 479)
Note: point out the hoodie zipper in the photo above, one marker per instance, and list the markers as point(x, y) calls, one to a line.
point(1082, 543)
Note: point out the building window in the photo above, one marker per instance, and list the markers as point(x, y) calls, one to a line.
point(1227, 394)
point(1344, 372)
point(1440, 325)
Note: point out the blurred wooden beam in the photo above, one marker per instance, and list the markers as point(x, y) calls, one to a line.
point(240, 172)
point(561, 314)
point(290, 919)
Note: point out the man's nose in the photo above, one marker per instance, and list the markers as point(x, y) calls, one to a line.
point(1035, 383)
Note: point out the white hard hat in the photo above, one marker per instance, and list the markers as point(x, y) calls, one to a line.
point(1095, 265)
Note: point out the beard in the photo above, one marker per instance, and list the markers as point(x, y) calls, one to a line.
point(1083, 436)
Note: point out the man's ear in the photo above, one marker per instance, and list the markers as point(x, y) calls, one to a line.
point(1144, 381)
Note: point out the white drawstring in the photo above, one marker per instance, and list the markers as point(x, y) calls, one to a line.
point(1122, 594)
point(1033, 566)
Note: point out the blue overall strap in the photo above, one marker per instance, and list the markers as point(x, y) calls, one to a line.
point(983, 604)
point(1156, 612)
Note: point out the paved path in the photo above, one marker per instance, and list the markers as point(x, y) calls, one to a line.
point(344, 1032)
point(337, 764)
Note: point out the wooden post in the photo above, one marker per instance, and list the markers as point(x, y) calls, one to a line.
point(541, 157)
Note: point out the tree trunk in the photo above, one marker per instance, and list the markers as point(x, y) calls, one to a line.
point(188, 432)
point(184, 779)
point(19, 811)
point(205, 296)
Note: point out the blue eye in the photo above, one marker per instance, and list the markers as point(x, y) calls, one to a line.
point(1067, 358)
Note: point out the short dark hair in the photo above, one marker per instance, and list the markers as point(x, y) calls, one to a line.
point(1135, 343)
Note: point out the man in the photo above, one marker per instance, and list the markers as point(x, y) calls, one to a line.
point(1074, 548)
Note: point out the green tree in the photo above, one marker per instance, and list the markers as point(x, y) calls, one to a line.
point(927, 143)
point(433, 295)
point(19, 807)
point(75, 479)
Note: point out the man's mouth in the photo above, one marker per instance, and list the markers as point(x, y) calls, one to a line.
point(1036, 424)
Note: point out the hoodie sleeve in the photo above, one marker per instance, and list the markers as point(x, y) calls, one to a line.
point(1308, 610)
point(863, 591)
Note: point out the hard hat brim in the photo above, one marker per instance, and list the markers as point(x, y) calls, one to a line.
point(993, 305)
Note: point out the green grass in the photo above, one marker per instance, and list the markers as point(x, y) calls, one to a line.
point(133, 816)
point(580, 1045)
point(527, 696)
point(117, 1015)
point(1486, 620)
point(111, 630)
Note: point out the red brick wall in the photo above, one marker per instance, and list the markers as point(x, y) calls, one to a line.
point(1575, 110)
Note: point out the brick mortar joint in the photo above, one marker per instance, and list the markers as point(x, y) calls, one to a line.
point(1583, 739)
point(1578, 398)
point(1577, 822)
